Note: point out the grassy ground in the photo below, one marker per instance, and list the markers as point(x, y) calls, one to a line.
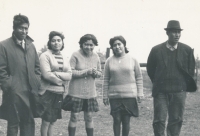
point(141, 126)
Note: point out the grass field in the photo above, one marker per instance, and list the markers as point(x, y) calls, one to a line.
point(141, 126)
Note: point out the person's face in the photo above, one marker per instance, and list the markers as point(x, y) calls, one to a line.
point(21, 31)
point(88, 47)
point(174, 36)
point(118, 48)
point(56, 43)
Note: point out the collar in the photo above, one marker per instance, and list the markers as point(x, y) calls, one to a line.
point(55, 53)
point(27, 41)
point(84, 54)
point(19, 42)
point(170, 46)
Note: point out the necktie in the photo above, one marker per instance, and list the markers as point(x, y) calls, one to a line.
point(171, 48)
point(23, 44)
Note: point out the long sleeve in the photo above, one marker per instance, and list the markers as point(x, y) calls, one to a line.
point(151, 65)
point(47, 73)
point(5, 78)
point(106, 79)
point(139, 79)
point(99, 72)
point(66, 75)
point(37, 68)
point(191, 63)
point(37, 65)
point(75, 72)
point(3, 65)
point(122, 78)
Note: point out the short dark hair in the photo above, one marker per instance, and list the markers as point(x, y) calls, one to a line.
point(20, 19)
point(120, 38)
point(86, 37)
point(51, 35)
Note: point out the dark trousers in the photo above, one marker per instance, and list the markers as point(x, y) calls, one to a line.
point(26, 128)
point(173, 105)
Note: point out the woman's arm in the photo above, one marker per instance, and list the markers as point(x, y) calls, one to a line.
point(77, 73)
point(106, 79)
point(46, 71)
point(98, 71)
point(66, 75)
point(138, 78)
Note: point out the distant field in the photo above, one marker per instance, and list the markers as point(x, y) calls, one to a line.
point(141, 126)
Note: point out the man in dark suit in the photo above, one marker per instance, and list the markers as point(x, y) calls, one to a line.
point(19, 79)
point(170, 67)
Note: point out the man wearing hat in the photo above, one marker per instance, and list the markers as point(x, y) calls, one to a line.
point(19, 79)
point(170, 67)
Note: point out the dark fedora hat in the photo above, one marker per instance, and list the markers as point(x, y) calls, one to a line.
point(173, 24)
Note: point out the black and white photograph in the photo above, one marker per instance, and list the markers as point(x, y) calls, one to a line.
point(99, 68)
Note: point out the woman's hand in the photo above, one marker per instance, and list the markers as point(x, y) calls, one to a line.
point(94, 71)
point(139, 98)
point(90, 71)
point(106, 101)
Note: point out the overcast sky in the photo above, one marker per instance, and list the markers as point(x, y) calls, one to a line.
point(140, 22)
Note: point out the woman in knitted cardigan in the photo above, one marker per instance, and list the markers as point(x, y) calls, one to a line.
point(122, 86)
point(86, 66)
point(56, 73)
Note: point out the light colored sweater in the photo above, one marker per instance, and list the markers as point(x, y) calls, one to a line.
point(82, 85)
point(122, 78)
point(53, 78)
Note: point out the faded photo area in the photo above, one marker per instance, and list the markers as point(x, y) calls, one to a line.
point(167, 53)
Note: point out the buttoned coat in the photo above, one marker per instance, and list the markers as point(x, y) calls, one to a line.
point(157, 62)
point(19, 70)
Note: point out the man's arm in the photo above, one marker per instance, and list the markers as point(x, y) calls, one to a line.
point(191, 63)
point(5, 78)
point(37, 64)
point(151, 64)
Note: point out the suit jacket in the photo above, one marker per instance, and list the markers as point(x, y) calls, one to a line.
point(157, 62)
point(19, 72)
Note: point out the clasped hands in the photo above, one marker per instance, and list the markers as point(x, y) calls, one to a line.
point(92, 72)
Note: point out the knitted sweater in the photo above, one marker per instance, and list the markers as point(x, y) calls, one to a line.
point(172, 79)
point(122, 78)
point(81, 84)
point(53, 78)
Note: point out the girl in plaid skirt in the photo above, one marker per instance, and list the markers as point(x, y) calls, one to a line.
point(85, 65)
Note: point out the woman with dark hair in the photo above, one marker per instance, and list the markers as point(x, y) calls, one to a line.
point(122, 86)
point(56, 73)
point(82, 93)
